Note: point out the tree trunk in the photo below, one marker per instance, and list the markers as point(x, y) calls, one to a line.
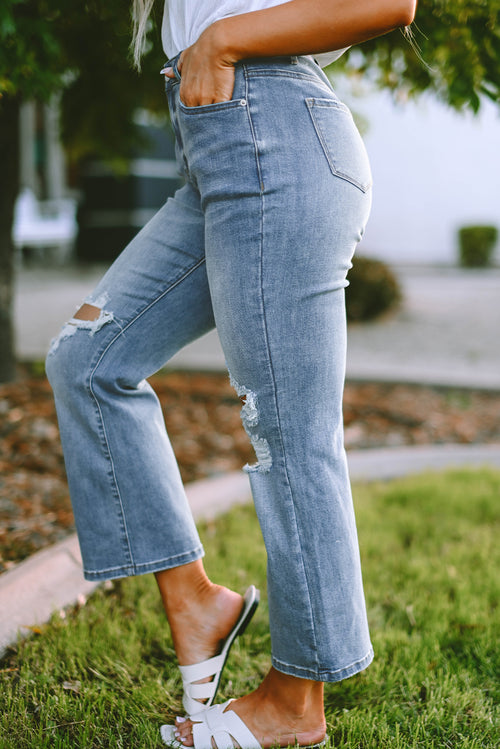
point(9, 188)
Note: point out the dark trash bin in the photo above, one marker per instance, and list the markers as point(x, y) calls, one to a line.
point(114, 207)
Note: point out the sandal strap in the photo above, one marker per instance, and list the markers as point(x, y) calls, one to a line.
point(193, 693)
point(203, 669)
point(196, 696)
point(222, 727)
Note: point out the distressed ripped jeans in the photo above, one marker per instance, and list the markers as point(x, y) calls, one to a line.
point(257, 242)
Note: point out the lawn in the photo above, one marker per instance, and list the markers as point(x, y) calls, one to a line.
point(103, 674)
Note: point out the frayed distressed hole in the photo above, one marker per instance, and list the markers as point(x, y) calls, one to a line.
point(263, 454)
point(88, 312)
point(250, 419)
point(89, 318)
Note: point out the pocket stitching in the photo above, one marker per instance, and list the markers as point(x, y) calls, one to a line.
point(341, 107)
point(218, 106)
point(278, 73)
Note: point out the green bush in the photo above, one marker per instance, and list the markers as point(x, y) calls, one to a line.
point(373, 289)
point(476, 245)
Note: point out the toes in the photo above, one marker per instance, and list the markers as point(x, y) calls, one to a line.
point(184, 740)
point(184, 731)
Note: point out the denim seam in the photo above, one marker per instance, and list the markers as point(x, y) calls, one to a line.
point(159, 564)
point(326, 674)
point(102, 426)
point(271, 368)
point(110, 472)
point(220, 106)
point(255, 146)
point(311, 103)
point(279, 73)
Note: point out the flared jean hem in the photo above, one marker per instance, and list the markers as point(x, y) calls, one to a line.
point(324, 675)
point(128, 570)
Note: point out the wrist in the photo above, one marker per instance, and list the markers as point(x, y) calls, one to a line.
point(223, 37)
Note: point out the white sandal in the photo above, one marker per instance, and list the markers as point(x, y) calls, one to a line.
point(217, 729)
point(198, 697)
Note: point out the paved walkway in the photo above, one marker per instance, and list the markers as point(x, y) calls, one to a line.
point(446, 332)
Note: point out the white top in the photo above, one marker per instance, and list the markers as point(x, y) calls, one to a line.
point(184, 20)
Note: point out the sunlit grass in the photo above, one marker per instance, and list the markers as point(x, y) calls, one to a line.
point(105, 675)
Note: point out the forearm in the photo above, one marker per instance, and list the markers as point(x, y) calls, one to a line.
point(308, 26)
point(299, 27)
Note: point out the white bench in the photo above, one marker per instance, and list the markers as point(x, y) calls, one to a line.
point(45, 225)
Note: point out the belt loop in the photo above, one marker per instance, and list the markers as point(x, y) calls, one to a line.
point(172, 63)
point(175, 68)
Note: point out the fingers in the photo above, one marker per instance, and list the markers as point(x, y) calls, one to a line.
point(168, 71)
point(208, 85)
point(204, 78)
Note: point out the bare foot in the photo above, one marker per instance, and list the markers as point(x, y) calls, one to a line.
point(200, 629)
point(283, 710)
point(200, 613)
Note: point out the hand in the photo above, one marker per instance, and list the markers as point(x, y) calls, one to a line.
point(207, 76)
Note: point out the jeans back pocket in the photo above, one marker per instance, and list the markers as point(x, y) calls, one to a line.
point(341, 142)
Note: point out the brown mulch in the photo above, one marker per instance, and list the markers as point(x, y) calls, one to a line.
point(202, 417)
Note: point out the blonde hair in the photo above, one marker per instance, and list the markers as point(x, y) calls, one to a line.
point(141, 10)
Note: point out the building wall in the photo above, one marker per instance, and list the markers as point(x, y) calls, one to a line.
point(434, 171)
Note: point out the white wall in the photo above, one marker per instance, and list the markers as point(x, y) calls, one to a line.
point(434, 171)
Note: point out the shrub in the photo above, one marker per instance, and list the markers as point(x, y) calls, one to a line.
point(373, 289)
point(476, 245)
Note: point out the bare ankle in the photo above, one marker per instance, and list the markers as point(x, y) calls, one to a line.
point(296, 695)
point(286, 701)
point(200, 613)
point(183, 586)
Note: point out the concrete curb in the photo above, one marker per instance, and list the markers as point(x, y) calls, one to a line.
point(393, 462)
point(397, 374)
point(52, 578)
point(47, 581)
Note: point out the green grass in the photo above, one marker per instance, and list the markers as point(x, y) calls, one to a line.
point(104, 674)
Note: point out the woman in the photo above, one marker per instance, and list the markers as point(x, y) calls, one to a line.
point(258, 242)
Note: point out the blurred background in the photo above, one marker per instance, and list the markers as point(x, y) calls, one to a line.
point(87, 157)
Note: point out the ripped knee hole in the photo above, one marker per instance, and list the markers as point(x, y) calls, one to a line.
point(89, 317)
point(88, 312)
point(250, 419)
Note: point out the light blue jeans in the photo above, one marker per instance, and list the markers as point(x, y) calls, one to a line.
point(258, 242)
